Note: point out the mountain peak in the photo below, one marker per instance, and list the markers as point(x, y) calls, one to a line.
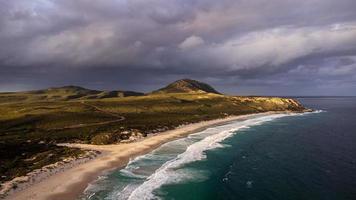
point(187, 85)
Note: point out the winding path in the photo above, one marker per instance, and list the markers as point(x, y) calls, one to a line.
point(119, 118)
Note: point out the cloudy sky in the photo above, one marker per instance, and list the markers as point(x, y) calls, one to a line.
point(261, 47)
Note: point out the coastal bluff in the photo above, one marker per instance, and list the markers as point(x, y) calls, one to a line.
point(34, 122)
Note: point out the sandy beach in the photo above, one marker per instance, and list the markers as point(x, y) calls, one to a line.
point(70, 183)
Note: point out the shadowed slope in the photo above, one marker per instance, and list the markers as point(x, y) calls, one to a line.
point(63, 94)
point(187, 85)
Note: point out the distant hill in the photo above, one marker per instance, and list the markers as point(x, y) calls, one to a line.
point(186, 86)
point(63, 94)
point(72, 92)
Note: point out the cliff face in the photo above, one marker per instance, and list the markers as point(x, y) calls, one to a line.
point(272, 103)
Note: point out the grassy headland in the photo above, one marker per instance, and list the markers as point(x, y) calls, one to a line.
point(31, 123)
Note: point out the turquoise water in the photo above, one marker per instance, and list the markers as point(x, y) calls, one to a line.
point(297, 156)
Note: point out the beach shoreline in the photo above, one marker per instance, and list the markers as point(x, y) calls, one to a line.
point(70, 183)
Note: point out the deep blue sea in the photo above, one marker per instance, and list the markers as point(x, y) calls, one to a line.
point(281, 157)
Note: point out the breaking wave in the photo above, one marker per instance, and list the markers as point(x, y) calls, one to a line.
point(172, 172)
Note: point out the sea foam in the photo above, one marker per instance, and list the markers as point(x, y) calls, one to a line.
point(144, 174)
point(171, 172)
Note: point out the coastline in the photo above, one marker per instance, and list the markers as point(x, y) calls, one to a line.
point(70, 183)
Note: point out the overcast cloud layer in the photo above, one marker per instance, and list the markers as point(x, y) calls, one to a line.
point(262, 47)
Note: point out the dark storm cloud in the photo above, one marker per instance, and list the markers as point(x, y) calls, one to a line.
point(141, 44)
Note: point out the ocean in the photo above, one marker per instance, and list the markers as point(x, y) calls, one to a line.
point(280, 157)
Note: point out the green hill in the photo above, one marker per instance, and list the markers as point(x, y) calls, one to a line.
point(63, 94)
point(187, 85)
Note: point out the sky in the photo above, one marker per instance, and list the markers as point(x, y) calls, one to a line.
point(245, 47)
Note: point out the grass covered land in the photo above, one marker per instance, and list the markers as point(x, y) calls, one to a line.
point(30, 127)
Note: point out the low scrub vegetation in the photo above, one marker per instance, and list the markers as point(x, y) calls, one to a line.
point(29, 129)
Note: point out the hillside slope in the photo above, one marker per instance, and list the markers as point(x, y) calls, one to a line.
point(65, 93)
point(187, 85)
